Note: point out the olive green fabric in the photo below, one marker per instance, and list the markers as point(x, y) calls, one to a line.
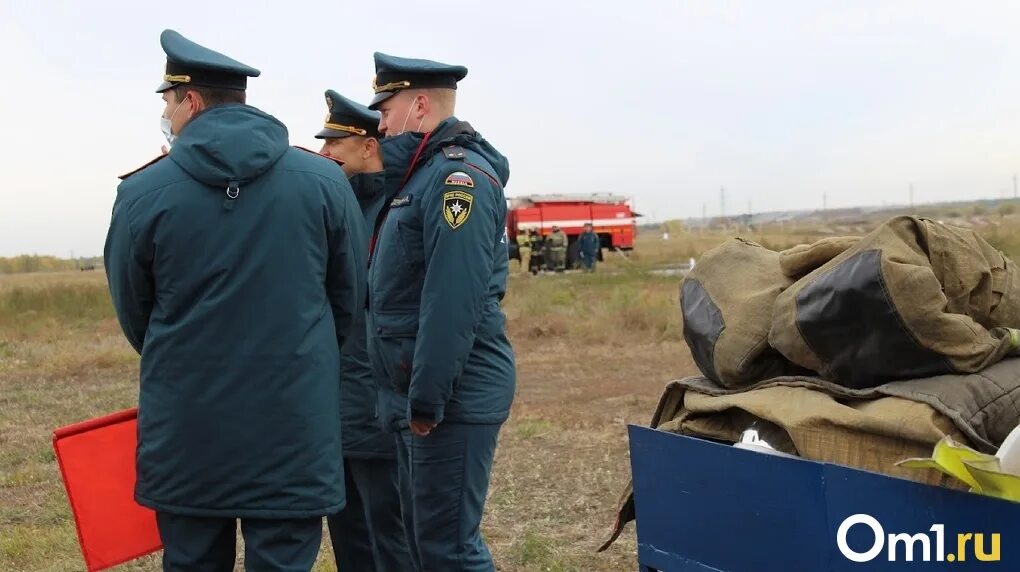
point(914, 298)
point(801, 259)
point(726, 301)
point(869, 434)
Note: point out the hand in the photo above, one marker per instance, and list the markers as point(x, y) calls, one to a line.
point(164, 149)
point(422, 428)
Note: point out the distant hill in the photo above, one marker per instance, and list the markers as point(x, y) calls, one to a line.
point(965, 213)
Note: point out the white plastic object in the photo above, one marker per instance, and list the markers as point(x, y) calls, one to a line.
point(1009, 453)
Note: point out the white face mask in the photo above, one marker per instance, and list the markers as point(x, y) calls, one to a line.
point(408, 116)
point(165, 125)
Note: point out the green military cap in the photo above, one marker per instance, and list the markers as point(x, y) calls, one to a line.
point(346, 118)
point(192, 64)
point(393, 74)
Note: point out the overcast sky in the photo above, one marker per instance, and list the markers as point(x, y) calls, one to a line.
point(666, 102)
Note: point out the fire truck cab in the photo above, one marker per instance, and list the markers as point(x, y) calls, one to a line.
point(610, 215)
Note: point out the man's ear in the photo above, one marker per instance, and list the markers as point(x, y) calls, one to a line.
point(371, 147)
point(426, 104)
point(197, 103)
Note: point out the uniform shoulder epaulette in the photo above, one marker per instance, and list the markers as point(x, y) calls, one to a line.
point(152, 162)
point(306, 150)
point(454, 152)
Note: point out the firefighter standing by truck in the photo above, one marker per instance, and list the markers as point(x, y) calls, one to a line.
point(537, 252)
point(556, 250)
point(524, 250)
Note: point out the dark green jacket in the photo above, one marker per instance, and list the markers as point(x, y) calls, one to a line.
point(391, 405)
point(238, 307)
point(437, 275)
point(359, 399)
point(588, 244)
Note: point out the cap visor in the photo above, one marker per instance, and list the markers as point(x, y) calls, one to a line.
point(164, 86)
point(307, 150)
point(332, 134)
point(379, 98)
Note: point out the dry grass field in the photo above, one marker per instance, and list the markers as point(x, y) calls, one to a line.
point(594, 352)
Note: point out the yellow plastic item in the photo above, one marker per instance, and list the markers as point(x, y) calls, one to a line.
point(982, 472)
point(993, 481)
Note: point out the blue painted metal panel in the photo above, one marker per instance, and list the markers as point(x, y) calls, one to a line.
point(706, 507)
point(905, 507)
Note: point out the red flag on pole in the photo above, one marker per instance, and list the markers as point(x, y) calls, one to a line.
point(97, 463)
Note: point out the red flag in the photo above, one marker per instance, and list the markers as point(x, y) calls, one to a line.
point(97, 463)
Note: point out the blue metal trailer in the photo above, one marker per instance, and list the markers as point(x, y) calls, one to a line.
point(709, 507)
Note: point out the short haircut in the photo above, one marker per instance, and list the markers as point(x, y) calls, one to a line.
point(210, 95)
point(443, 100)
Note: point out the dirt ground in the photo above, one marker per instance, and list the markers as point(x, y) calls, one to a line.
point(562, 461)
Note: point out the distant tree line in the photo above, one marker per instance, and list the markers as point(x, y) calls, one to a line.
point(35, 263)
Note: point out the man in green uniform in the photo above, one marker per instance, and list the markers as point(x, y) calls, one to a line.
point(437, 275)
point(524, 250)
point(556, 245)
point(369, 533)
point(236, 265)
point(537, 251)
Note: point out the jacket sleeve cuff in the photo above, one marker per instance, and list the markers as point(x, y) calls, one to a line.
point(418, 411)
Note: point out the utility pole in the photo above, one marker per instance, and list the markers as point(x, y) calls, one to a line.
point(911, 197)
point(722, 206)
point(825, 202)
point(704, 216)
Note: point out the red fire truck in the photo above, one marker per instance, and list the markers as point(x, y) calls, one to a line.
point(610, 215)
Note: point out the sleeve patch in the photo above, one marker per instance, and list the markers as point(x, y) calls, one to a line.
point(456, 208)
point(460, 179)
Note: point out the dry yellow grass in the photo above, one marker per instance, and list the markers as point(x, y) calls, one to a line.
point(594, 352)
